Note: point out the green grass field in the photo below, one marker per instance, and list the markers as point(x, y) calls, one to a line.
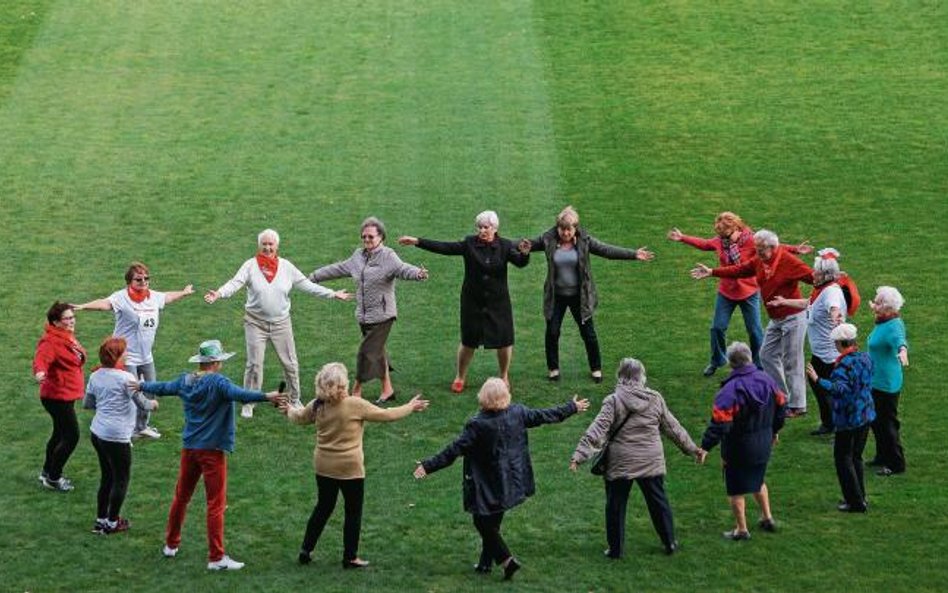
point(172, 132)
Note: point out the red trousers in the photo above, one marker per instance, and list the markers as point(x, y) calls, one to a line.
point(211, 464)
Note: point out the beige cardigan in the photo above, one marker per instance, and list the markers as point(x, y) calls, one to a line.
point(339, 427)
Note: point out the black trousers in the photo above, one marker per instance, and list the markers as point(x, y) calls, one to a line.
point(586, 330)
point(885, 429)
point(493, 547)
point(327, 492)
point(115, 465)
point(617, 498)
point(823, 398)
point(847, 453)
point(65, 436)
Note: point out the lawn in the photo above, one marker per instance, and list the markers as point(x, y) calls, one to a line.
point(172, 132)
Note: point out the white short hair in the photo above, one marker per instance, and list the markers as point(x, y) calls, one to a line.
point(739, 355)
point(889, 298)
point(631, 371)
point(827, 266)
point(487, 217)
point(844, 332)
point(766, 237)
point(268, 233)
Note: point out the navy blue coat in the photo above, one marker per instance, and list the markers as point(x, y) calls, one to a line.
point(498, 474)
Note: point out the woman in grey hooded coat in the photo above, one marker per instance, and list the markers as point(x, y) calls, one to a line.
point(635, 417)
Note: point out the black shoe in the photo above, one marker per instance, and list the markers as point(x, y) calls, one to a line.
point(510, 568)
point(482, 569)
point(821, 430)
point(671, 548)
point(736, 536)
point(355, 563)
point(767, 525)
point(845, 507)
point(304, 557)
point(709, 370)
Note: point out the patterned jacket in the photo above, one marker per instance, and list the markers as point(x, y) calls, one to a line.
point(850, 388)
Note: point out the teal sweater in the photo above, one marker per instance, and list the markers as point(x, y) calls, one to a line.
point(884, 344)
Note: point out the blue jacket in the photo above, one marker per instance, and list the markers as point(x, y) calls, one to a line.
point(208, 407)
point(850, 386)
point(498, 474)
point(748, 411)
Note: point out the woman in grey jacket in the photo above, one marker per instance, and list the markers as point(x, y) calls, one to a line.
point(639, 416)
point(374, 268)
point(569, 284)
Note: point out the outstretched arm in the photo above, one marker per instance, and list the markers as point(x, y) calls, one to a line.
point(175, 295)
point(96, 305)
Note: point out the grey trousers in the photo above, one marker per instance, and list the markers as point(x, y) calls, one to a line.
point(279, 333)
point(143, 372)
point(781, 355)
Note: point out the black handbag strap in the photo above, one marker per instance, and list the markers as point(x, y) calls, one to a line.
point(614, 432)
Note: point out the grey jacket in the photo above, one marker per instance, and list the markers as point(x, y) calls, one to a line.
point(374, 273)
point(637, 450)
point(585, 244)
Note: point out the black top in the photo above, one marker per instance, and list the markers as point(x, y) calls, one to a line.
point(486, 314)
point(498, 474)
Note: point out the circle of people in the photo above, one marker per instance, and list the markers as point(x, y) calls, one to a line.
point(855, 390)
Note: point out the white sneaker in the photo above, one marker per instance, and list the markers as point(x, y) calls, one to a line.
point(63, 484)
point(246, 411)
point(225, 563)
point(169, 552)
point(149, 432)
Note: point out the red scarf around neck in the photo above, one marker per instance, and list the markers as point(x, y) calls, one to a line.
point(887, 316)
point(268, 266)
point(138, 294)
point(846, 351)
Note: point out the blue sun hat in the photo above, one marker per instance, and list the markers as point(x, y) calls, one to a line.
point(210, 351)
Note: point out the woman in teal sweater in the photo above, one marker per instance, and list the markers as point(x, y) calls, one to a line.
point(889, 351)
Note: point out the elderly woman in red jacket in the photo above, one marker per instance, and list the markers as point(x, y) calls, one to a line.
point(57, 367)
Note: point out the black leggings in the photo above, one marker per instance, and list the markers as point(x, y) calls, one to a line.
point(115, 462)
point(493, 546)
point(327, 492)
point(65, 436)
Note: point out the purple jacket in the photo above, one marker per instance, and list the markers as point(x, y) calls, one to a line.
point(748, 411)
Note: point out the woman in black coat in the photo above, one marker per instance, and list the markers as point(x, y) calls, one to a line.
point(486, 314)
point(498, 474)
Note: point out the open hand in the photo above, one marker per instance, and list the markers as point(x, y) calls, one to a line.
point(581, 404)
point(407, 240)
point(642, 253)
point(700, 271)
point(674, 234)
point(418, 404)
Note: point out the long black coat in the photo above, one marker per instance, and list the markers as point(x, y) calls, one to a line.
point(498, 474)
point(486, 314)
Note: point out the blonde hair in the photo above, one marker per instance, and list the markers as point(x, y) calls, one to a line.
point(332, 383)
point(494, 395)
point(727, 222)
point(568, 217)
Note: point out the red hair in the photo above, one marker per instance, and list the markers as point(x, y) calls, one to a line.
point(111, 351)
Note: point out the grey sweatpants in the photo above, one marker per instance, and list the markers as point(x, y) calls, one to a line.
point(781, 355)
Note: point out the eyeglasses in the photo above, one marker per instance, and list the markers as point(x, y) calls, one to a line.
point(142, 279)
point(70, 318)
point(369, 237)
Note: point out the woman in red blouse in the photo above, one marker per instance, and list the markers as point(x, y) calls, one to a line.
point(57, 367)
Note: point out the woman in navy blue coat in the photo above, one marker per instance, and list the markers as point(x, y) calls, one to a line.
point(498, 474)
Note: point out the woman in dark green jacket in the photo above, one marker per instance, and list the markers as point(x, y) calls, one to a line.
point(569, 284)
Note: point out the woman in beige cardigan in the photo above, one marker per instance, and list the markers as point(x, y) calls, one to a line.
point(339, 460)
point(639, 416)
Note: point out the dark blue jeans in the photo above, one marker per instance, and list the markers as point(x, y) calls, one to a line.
point(586, 330)
point(723, 309)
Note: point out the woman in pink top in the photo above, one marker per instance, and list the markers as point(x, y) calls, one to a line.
point(734, 244)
